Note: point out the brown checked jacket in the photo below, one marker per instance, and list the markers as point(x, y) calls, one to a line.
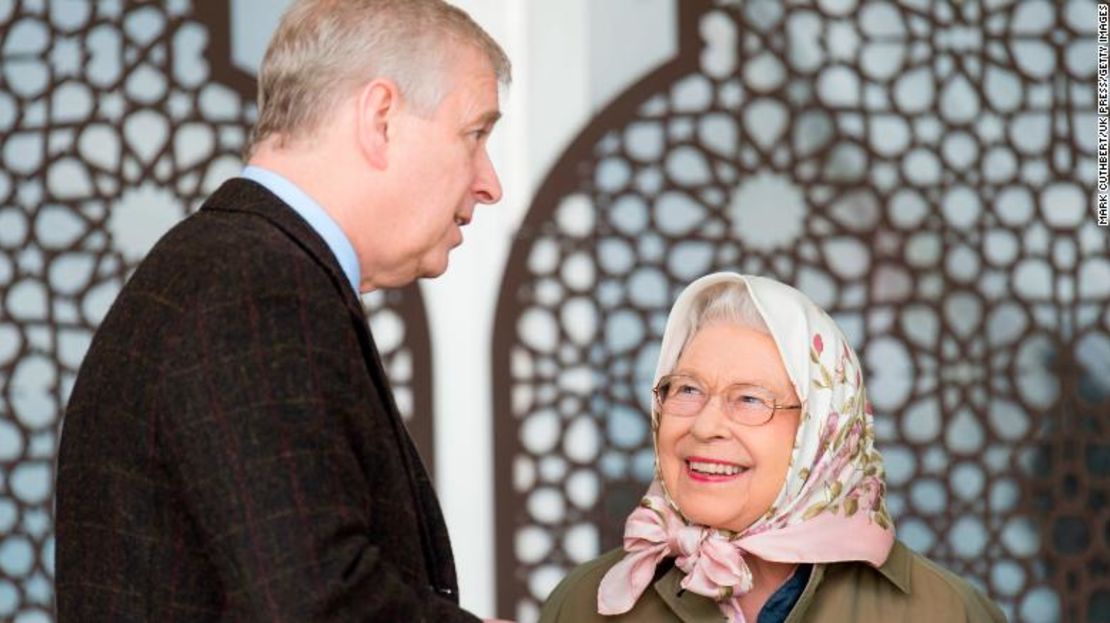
point(231, 450)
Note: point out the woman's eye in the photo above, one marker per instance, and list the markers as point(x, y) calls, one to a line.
point(688, 390)
point(747, 400)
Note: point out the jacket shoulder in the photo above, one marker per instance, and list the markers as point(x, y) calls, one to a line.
point(575, 598)
point(909, 587)
point(932, 584)
point(233, 245)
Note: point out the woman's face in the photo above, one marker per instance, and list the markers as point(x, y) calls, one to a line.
point(723, 474)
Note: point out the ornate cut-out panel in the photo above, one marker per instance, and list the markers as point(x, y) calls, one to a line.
point(923, 171)
point(116, 120)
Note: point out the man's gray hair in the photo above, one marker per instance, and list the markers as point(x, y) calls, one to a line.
point(323, 49)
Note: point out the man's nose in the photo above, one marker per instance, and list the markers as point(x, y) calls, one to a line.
point(487, 188)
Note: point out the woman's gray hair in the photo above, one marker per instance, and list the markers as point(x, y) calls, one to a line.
point(728, 302)
point(324, 48)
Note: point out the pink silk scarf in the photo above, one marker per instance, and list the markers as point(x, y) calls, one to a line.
point(831, 507)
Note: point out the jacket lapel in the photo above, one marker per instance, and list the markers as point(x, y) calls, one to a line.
point(688, 606)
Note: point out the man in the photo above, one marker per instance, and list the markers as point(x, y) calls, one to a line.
point(232, 450)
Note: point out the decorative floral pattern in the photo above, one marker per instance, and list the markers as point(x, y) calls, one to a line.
point(849, 445)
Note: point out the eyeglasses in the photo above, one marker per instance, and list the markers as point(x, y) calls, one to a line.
point(682, 395)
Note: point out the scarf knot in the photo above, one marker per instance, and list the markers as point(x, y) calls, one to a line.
point(713, 565)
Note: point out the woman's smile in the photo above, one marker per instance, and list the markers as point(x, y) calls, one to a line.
point(707, 470)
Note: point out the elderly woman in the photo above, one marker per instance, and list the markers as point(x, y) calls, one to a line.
point(768, 503)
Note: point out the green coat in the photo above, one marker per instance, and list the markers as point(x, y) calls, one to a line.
point(907, 588)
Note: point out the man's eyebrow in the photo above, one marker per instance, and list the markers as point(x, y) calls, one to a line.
point(488, 118)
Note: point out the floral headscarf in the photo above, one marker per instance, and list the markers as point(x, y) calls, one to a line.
point(831, 506)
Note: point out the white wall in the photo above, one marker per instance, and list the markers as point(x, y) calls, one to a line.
point(567, 64)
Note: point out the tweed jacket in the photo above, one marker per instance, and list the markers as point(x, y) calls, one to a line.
point(908, 588)
point(231, 450)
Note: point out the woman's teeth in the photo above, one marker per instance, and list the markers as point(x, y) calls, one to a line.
point(718, 469)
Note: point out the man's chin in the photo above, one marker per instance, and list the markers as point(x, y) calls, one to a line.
point(432, 273)
point(434, 267)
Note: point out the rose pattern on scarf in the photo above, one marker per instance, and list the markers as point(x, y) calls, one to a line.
point(847, 435)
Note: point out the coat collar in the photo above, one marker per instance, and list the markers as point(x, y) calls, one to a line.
point(248, 197)
point(690, 607)
point(896, 569)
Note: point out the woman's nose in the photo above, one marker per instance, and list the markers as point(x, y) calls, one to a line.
point(712, 421)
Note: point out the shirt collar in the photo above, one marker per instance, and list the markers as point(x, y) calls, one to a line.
point(317, 218)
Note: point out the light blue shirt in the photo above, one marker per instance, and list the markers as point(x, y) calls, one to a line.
point(319, 220)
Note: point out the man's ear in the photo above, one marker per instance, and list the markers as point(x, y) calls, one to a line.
point(378, 103)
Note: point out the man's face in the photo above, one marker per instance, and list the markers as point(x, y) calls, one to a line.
point(442, 170)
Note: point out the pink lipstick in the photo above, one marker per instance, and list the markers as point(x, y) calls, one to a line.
point(704, 469)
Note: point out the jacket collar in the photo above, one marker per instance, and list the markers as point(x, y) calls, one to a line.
point(249, 197)
point(691, 607)
point(896, 569)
